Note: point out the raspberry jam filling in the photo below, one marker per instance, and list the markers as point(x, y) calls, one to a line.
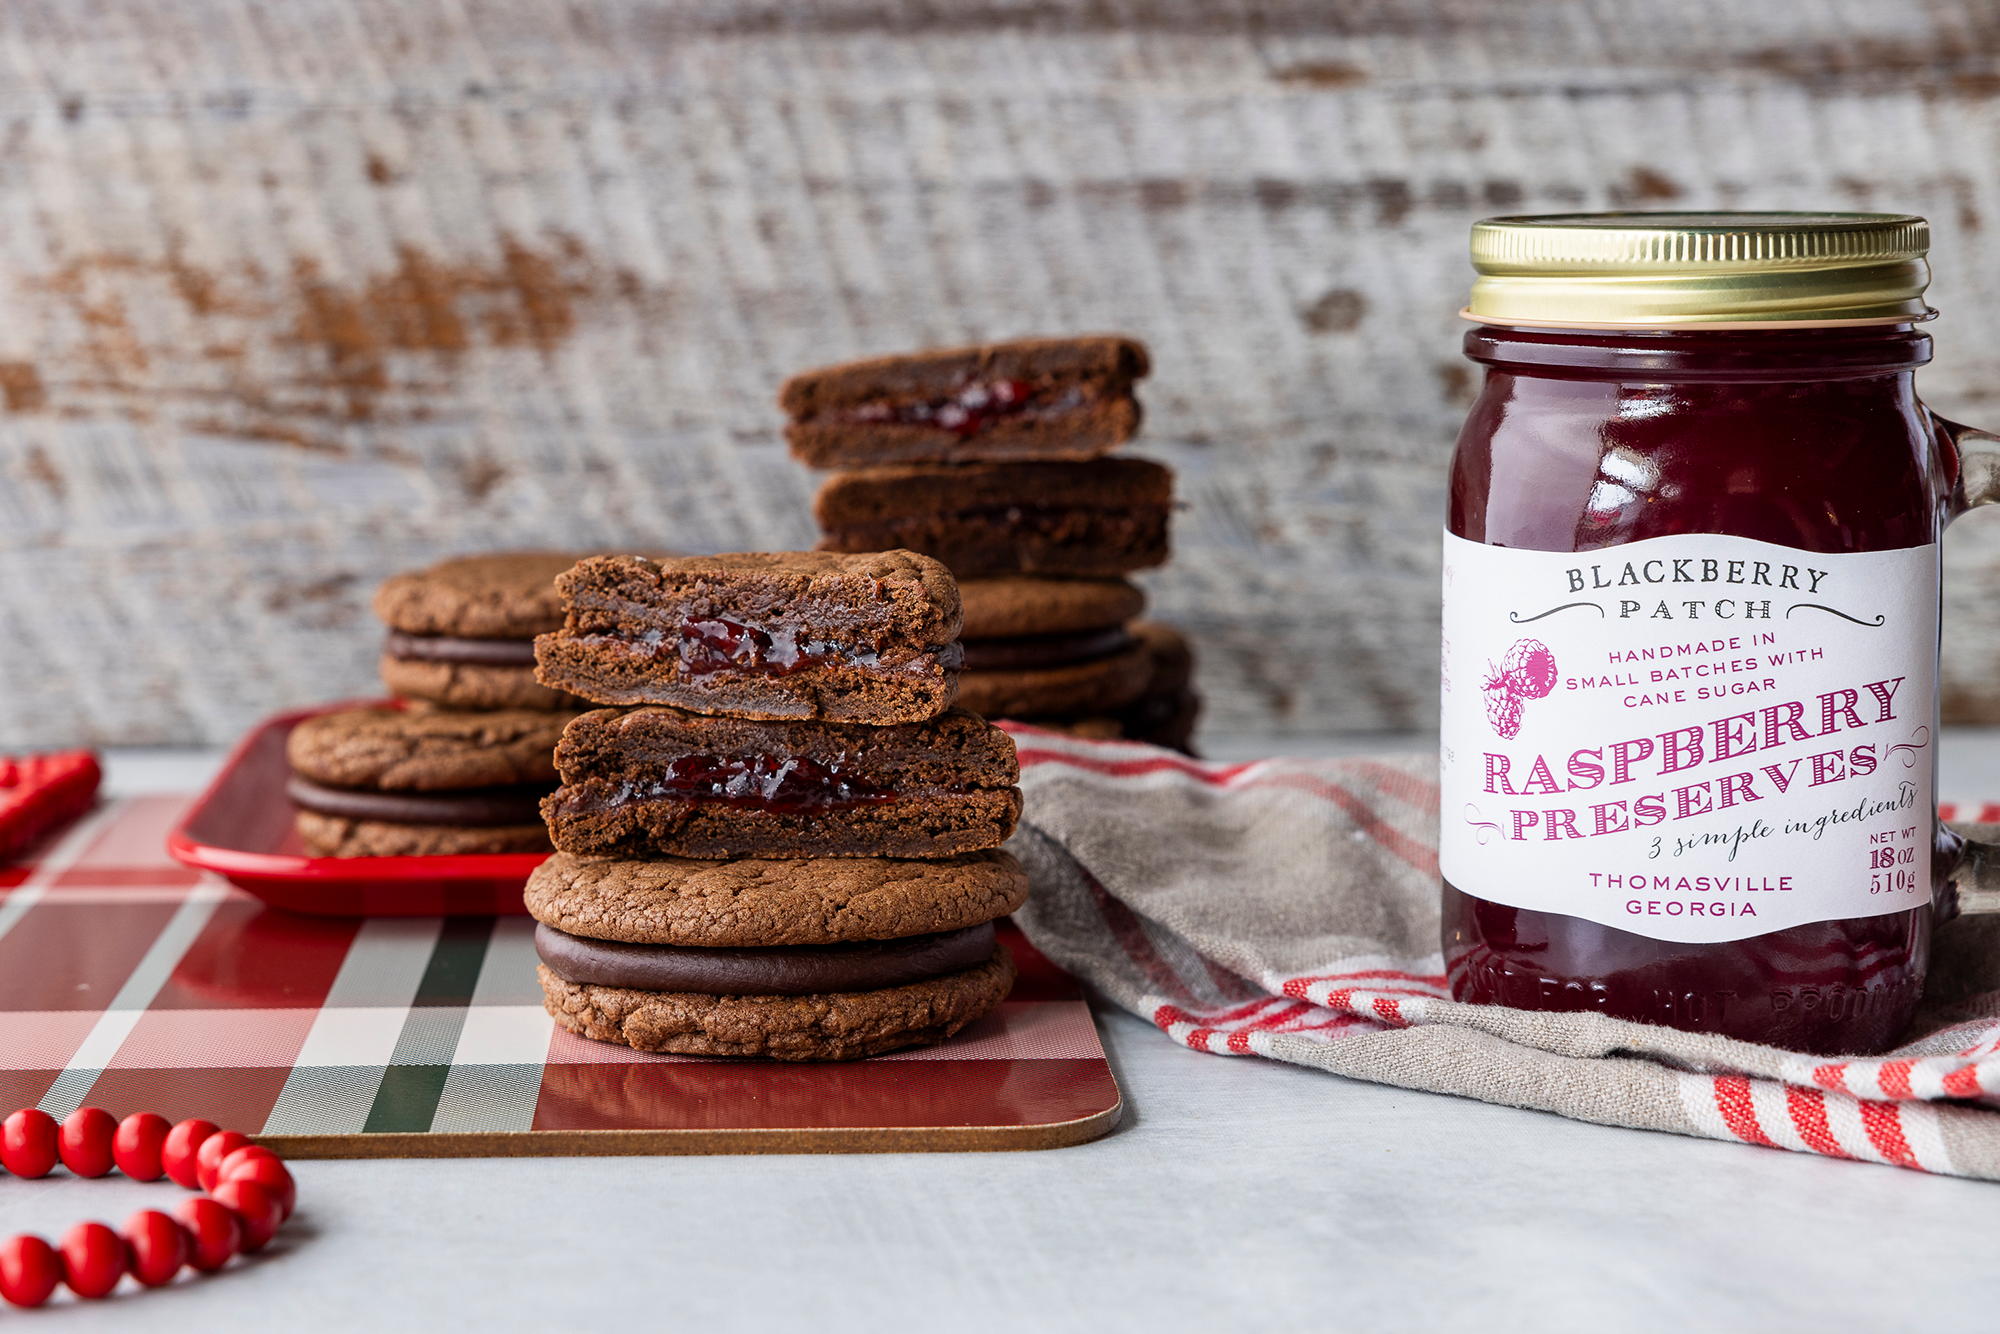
point(971, 407)
point(708, 646)
point(722, 645)
point(763, 782)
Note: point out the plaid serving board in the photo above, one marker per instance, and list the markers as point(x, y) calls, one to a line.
point(129, 981)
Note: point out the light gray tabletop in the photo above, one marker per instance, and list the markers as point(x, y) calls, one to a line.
point(1237, 1195)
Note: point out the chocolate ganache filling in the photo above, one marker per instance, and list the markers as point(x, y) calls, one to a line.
point(477, 808)
point(1033, 651)
point(445, 648)
point(786, 970)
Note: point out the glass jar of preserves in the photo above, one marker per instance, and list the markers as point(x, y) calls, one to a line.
point(1689, 711)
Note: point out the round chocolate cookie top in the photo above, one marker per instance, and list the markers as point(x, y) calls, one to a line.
point(1010, 606)
point(390, 750)
point(500, 595)
point(758, 902)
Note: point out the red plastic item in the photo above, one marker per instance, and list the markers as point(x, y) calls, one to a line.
point(177, 1152)
point(208, 1158)
point(257, 1208)
point(85, 1141)
point(29, 1270)
point(159, 1247)
point(254, 1162)
point(242, 829)
point(93, 1258)
point(39, 792)
point(215, 1233)
point(137, 1145)
point(28, 1143)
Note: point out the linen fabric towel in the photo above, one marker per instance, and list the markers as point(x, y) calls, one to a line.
point(1289, 909)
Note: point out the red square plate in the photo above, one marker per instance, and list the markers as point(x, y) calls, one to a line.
point(242, 829)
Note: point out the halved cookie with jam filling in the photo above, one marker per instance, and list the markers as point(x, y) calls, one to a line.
point(1037, 398)
point(868, 638)
point(654, 781)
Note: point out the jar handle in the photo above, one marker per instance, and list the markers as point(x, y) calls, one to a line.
point(1972, 463)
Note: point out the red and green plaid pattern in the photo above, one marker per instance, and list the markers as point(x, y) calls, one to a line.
point(131, 982)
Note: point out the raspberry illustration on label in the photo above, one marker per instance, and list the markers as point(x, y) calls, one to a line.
point(1527, 672)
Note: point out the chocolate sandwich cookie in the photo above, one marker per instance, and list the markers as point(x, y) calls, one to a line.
point(1039, 398)
point(462, 633)
point(1097, 519)
point(660, 781)
point(1048, 645)
point(1164, 714)
point(762, 903)
point(384, 782)
point(828, 1026)
point(867, 638)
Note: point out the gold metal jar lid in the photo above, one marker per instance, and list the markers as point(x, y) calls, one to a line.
point(1670, 270)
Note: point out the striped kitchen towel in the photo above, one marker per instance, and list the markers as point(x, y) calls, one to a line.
point(1289, 909)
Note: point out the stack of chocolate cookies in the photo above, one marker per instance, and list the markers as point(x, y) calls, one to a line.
point(463, 765)
point(784, 841)
point(993, 460)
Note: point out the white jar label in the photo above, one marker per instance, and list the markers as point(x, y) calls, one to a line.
point(1695, 738)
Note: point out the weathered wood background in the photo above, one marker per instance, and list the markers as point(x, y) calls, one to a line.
point(293, 295)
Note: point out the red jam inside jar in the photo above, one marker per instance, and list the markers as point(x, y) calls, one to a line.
point(1589, 439)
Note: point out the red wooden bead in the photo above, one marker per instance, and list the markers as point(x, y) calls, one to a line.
point(243, 1153)
point(28, 1143)
point(93, 1258)
point(254, 1162)
point(29, 1270)
point(177, 1154)
point(211, 1153)
point(159, 1247)
point(214, 1232)
point(256, 1207)
point(136, 1147)
point(85, 1141)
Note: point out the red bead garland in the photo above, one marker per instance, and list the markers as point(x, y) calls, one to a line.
point(250, 1195)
